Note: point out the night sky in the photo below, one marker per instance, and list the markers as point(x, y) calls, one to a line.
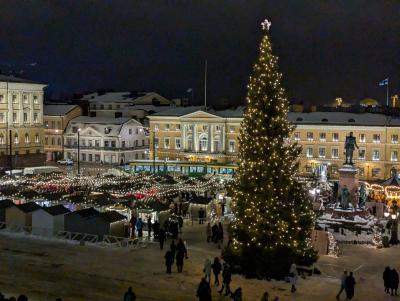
point(326, 48)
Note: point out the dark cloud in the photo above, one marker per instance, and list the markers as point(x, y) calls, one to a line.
point(326, 48)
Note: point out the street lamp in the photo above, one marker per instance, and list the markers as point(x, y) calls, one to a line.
point(79, 153)
point(393, 213)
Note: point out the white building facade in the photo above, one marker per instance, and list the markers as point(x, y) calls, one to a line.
point(105, 140)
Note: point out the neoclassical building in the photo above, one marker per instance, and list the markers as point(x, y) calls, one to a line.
point(197, 135)
point(21, 122)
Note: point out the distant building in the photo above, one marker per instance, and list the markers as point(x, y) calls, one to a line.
point(21, 115)
point(105, 140)
point(56, 118)
point(136, 105)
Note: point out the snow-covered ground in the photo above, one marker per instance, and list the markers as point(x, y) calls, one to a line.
point(44, 270)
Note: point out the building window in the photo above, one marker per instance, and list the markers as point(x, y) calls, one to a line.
point(14, 99)
point(203, 144)
point(204, 128)
point(107, 130)
point(136, 143)
point(335, 153)
point(90, 157)
point(16, 139)
point(321, 152)
point(101, 107)
point(26, 138)
point(216, 146)
point(376, 138)
point(94, 106)
point(375, 155)
point(335, 137)
point(118, 106)
point(1, 97)
point(167, 127)
point(178, 127)
point(136, 131)
point(97, 143)
point(35, 117)
point(25, 117)
point(232, 146)
point(362, 138)
point(110, 107)
point(2, 139)
point(218, 128)
point(232, 129)
point(393, 156)
point(130, 131)
point(83, 157)
point(322, 136)
point(59, 141)
point(156, 127)
point(53, 124)
point(37, 138)
point(123, 144)
point(395, 139)
point(2, 117)
point(189, 143)
point(113, 144)
point(297, 136)
point(375, 172)
point(156, 142)
point(46, 140)
point(15, 117)
point(177, 143)
point(25, 97)
point(136, 156)
point(97, 158)
point(309, 152)
point(361, 154)
point(59, 124)
point(310, 136)
point(106, 144)
point(35, 99)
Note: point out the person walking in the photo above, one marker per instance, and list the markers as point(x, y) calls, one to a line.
point(349, 286)
point(169, 260)
point(342, 284)
point(173, 249)
point(149, 226)
point(387, 273)
point(139, 227)
point(265, 297)
point(394, 282)
point(208, 232)
point(214, 231)
point(220, 234)
point(161, 238)
point(204, 291)
point(180, 254)
point(216, 267)
point(226, 280)
point(293, 277)
point(207, 270)
point(129, 295)
point(181, 246)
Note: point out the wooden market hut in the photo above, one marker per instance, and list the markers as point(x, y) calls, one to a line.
point(21, 215)
point(48, 221)
point(4, 204)
point(80, 220)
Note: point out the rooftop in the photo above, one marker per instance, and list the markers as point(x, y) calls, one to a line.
point(28, 207)
point(87, 212)
point(56, 210)
point(6, 203)
point(57, 110)
point(111, 216)
point(105, 120)
point(13, 79)
point(338, 118)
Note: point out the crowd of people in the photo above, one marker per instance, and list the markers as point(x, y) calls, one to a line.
point(347, 284)
point(391, 281)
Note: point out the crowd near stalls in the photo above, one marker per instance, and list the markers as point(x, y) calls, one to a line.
point(121, 206)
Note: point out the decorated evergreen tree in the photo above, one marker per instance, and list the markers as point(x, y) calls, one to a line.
point(273, 217)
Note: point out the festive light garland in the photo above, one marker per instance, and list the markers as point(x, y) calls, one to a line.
point(333, 248)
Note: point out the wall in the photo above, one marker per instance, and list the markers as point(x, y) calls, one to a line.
point(15, 217)
point(42, 223)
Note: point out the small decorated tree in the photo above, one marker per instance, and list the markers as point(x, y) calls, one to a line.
point(273, 217)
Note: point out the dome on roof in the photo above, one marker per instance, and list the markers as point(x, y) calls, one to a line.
point(369, 102)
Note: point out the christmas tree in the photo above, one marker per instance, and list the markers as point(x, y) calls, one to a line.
point(273, 217)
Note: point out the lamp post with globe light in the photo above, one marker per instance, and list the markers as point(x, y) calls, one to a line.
point(393, 214)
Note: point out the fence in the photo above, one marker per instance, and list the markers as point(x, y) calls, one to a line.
point(105, 241)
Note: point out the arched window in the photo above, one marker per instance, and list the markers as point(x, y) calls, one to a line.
point(26, 138)
point(189, 143)
point(16, 139)
point(203, 143)
point(37, 138)
point(1, 139)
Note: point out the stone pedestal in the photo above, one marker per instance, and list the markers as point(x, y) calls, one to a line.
point(348, 178)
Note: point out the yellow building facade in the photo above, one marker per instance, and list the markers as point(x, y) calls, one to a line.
point(193, 134)
point(21, 122)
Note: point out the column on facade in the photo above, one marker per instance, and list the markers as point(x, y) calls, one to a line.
point(222, 138)
point(183, 137)
point(194, 141)
point(209, 140)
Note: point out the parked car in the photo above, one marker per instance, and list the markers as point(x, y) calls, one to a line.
point(65, 162)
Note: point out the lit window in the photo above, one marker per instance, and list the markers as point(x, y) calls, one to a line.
point(15, 118)
point(232, 147)
point(376, 138)
point(167, 127)
point(309, 152)
point(14, 99)
point(393, 156)
point(375, 172)
point(177, 143)
point(335, 153)
point(178, 127)
point(35, 99)
point(156, 142)
point(166, 142)
point(297, 136)
point(335, 137)
point(16, 139)
point(1, 139)
point(37, 138)
point(25, 117)
point(2, 117)
point(322, 136)
point(26, 138)
point(231, 129)
point(395, 139)
point(1, 97)
point(362, 138)
point(321, 152)
point(35, 117)
point(156, 127)
point(310, 136)
point(204, 128)
point(361, 154)
point(375, 155)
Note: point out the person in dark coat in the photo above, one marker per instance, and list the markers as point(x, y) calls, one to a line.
point(237, 294)
point(173, 249)
point(394, 282)
point(139, 227)
point(161, 238)
point(226, 279)
point(214, 231)
point(201, 215)
point(220, 235)
point(133, 225)
point(156, 229)
point(349, 286)
point(386, 279)
point(181, 246)
point(216, 267)
point(149, 225)
point(129, 295)
point(204, 291)
point(180, 254)
point(169, 260)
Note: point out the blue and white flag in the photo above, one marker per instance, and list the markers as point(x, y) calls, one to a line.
point(384, 82)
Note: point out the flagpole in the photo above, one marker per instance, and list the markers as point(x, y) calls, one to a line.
point(205, 85)
point(387, 92)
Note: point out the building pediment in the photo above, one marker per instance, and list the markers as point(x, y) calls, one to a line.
point(200, 114)
point(90, 131)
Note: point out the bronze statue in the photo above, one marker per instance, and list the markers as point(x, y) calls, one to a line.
point(349, 145)
point(345, 198)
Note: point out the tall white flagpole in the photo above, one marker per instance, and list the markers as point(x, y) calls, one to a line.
point(205, 85)
point(387, 92)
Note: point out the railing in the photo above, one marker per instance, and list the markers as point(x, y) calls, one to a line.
point(106, 147)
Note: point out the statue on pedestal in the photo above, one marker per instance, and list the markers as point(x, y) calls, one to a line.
point(349, 145)
point(345, 198)
point(363, 194)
